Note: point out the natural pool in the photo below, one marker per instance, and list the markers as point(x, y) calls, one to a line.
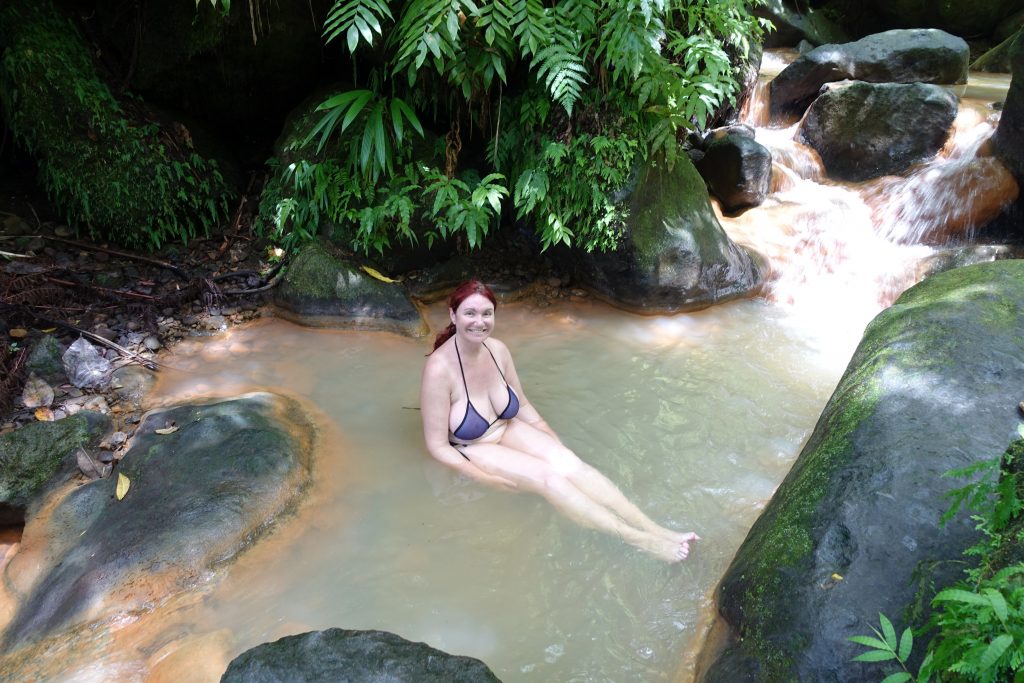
point(697, 417)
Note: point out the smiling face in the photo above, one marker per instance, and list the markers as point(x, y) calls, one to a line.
point(474, 319)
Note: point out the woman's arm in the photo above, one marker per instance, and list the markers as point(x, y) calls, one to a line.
point(527, 412)
point(435, 406)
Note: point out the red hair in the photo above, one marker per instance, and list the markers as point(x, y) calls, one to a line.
point(461, 293)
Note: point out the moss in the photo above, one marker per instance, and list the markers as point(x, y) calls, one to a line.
point(313, 272)
point(104, 163)
point(31, 455)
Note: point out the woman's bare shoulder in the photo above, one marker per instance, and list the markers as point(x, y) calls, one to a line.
point(437, 365)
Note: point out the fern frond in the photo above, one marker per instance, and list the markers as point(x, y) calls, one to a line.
point(356, 19)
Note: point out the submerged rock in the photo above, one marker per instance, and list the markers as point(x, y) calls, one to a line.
point(675, 255)
point(865, 130)
point(933, 386)
point(341, 655)
point(322, 290)
point(898, 56)
point(198, 495)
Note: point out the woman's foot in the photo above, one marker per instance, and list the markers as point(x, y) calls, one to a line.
point(672, 547)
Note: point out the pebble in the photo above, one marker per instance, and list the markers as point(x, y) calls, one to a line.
point(105, 332)
point(169, 311)
point(152, 342)
point(62, 231)
point(134, 325)
point(18, 333)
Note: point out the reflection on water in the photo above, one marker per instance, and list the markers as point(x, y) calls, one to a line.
point(696, 417)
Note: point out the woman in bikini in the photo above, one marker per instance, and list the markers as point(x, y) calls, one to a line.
point(478, 421)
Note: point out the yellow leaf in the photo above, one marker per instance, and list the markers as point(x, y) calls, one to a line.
point(49, 330)
point(123, 483)
point(837, 577)
point(168, 430)
point(44, 414)
point(376, 274)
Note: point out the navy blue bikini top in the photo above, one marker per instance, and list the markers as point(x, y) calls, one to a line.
point(473, 425)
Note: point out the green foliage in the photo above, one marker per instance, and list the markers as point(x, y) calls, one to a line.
point(101, 162)
point(883, 647)
point(978, 622)
point(594, 87)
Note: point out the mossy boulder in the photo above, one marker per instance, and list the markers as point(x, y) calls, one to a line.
point(342, 655)
point(865, 130)
point(675, 255)
point(738, 170)
point(105, 164)
point(793, 24)
point(897, 56)
point(322, 289)
point(854, 529)
point(32, 455)
point(198, 496)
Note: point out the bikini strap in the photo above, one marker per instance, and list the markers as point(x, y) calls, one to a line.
point(463, 371)
point(495, 365)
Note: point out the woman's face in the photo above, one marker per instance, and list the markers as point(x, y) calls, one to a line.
point(474, 320)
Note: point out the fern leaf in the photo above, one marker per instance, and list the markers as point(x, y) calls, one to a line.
point(994, 651)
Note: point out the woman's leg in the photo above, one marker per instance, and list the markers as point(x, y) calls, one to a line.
point(536, 475)
point(523, 436)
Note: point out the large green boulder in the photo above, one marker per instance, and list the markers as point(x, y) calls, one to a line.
point(323, 289)
point(854, 529)
point(205, 482)
point(342, 655)
point(32, 455)
point(794, 23)
point(675, 256)
point(109, 165)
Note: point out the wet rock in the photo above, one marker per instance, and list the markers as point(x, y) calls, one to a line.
point(152, 342)
point(84, 365)
point(933, 386)
point(322, 290)
point(738, 171)
point(30, 456)
point(675, 256)
point(898, 56)
point(865, 130)
point(212, 486)
point(105, 332)
point(36, 393)
point(1009, 137)
point(132, 383)
point(45, 359)
point(794, 25)
point(342, 655)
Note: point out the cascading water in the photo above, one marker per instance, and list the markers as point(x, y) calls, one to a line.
point(839, 252)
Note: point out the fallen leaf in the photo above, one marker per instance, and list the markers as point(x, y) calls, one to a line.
point(167, 430)
point(1020, 429)
point(89, 467)
point(37, 393)
point(837, 577)
point(49, 330)
point(44, 414)
point(18, 333)
point(377, 275)
point(123, 483)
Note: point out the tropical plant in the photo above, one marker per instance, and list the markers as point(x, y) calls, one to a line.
point(550, 86)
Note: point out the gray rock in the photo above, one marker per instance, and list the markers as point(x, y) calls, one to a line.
point(675, 255)
point(45, 359)
point(342, 655)
point(795, 25)
point(933, 386)
point(211, 486)
point(897, 56)
point(738, 171)
point(968, 19)
point(865, 130)
point(322, 290)
point(34, 454)
point(1009, 137)
point(152, 342)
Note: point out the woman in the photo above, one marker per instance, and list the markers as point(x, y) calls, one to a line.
point(477, 420)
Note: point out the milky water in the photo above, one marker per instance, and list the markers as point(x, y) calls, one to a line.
point(697, 417)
